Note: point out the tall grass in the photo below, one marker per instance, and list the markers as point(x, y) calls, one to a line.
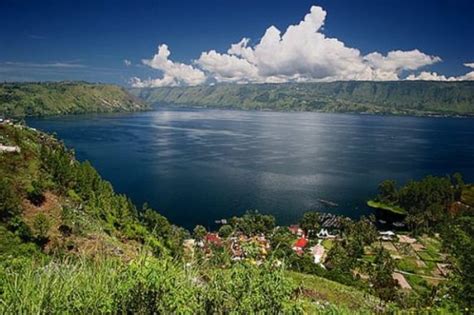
point(143, 286)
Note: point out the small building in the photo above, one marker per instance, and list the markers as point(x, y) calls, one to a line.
point(296, 230)
point(318, 252)
point(299, 245)
point(406, 239)
point(10, 149)
point(323, 233)
point(213, 238)
point(386, 235)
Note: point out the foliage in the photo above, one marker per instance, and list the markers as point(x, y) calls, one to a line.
point(155, 222)
point(381, 275)
point(388, 192)
point(336, 293)
point(225, 231)
point(253, 223)
point(40, 227)
point(426, 202)
point(458, 238)
point(36, 195)
point(310, 222)
point(143, 286)
point(199, 232)
point(9, 200)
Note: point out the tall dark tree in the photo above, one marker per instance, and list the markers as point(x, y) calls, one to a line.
point(310, 223)
point(388, 192)
point(458, 238)
point(381, 275)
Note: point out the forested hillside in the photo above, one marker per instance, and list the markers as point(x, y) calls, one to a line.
point(398, 97)
point(51, 98)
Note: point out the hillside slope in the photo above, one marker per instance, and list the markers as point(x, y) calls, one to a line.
point(50, 98)
point(398, 97)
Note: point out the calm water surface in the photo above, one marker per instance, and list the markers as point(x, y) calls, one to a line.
point(196, 166)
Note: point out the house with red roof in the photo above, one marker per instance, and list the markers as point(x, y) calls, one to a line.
point(300, 244)
point(213, 238)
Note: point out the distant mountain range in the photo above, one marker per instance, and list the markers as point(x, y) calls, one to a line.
point(394, 97)
point(60, 98)
point(425, 98)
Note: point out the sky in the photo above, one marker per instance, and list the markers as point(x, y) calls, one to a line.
point(174, 43)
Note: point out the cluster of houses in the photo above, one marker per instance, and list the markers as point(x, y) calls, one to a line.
point(257, 247)
point(301, 244)
point(239, 245)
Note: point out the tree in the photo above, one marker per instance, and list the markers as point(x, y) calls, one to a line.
point(458, 238)
point(41, 225)
point(253, 222)
point(9, 201)
point(199, 232)
point(338, 259)
point(310, 222)
point(225, 231)
point(380, 275)
point(388, 192)
point(282, 241)
point(363, 229)
point(458, 184)
point(155, 222)
point(36, 195)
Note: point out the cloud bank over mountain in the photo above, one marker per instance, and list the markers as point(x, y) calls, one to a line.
point(302, 53)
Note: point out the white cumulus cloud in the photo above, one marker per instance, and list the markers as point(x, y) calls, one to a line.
point(173, 73)
point(301, 53)
point(433, 76)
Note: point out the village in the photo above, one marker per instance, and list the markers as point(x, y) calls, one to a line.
point(419, 261)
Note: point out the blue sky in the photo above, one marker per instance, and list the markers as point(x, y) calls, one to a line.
point(89, 40)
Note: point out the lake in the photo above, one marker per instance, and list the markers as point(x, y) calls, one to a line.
point(197, 165)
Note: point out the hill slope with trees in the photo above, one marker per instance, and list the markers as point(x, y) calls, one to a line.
point(60, 98)
point(397, 97)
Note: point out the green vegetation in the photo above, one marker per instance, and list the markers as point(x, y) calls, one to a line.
point(144, 286)
point(383, 206)
point(319, 289)
point(438, 206)
point(467, 196)
point(426, 203)
point(41, 99)
point(400, 98)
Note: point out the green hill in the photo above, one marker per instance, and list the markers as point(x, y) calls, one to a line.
point(51, 98)
point(397, 97)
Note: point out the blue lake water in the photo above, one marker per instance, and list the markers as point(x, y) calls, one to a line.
point(197, 165)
